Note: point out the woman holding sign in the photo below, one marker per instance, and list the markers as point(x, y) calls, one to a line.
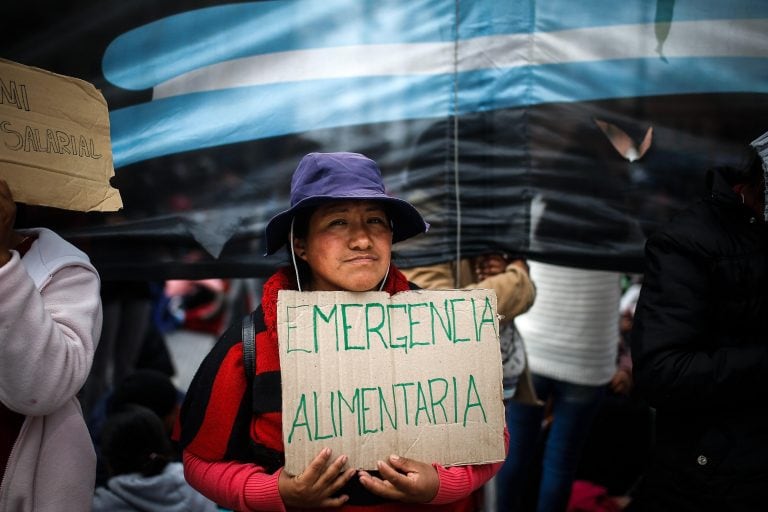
point(340, 230)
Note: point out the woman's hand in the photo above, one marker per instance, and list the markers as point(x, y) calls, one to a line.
point(7, 218)
point(405, 480)
point(315, 486)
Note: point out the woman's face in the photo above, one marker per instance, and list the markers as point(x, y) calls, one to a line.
point(348, 246)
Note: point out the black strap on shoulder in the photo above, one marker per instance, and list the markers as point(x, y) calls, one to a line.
point(249, 347)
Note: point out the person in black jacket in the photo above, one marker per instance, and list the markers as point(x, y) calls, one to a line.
point(700, 350)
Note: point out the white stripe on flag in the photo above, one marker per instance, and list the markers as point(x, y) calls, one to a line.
point(719, 38)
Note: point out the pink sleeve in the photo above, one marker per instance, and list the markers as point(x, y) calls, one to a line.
point(457, 482)
point(234, 485)
point(59, 325)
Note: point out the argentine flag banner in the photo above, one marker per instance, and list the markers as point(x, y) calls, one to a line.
point(543, 128)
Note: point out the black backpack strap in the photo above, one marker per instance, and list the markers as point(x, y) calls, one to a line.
point(249, 347)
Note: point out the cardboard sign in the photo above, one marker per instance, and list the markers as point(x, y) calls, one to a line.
point(54, 140)
point(417, 374)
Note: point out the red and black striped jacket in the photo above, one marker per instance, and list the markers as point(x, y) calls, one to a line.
point(226, 418)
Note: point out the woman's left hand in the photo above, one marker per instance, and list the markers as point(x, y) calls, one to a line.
point(402, 479)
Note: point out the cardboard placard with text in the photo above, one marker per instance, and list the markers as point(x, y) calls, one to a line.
point(55, 145)
point(417, 374)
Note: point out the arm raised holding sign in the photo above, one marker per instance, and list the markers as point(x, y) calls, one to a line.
point(50, 321)
point(339, 231)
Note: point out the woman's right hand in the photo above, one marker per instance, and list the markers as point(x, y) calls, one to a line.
point(315, 486)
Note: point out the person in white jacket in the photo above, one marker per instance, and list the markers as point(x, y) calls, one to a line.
point(50, 322)
point(143, 475)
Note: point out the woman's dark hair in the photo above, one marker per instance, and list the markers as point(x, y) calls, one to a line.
point(134, 440)
point(300, 230)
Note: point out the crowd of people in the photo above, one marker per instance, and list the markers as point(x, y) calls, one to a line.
point(599, 369)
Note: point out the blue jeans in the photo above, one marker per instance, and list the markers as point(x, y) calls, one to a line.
point(573, 407)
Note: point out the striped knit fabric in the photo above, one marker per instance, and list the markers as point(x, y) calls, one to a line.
point(571, 332)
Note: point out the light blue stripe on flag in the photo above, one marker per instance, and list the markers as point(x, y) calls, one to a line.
point(199, 120)
point(159, 51)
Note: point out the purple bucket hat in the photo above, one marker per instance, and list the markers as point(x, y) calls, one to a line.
point(323, 177)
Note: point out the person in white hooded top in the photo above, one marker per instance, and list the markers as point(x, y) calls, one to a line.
point(138, 455)
point(50, 322)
